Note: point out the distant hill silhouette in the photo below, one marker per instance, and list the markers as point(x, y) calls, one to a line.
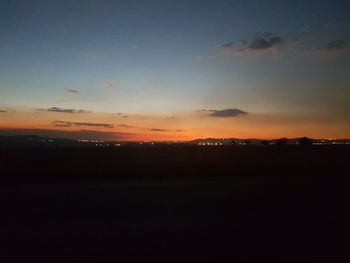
point(40, 141)
point(36, 141)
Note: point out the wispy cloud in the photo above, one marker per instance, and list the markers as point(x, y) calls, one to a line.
point(267, 44)
point(62, 110)
point(121, 115)
point(70, 124)
point(2, 111)
point(74, 91)
point(260, 44)
point(226, 113)
point(165, 130)
point(127, 126)
point(264, 42)
point(150, 129)
point(334, 48)
point(158, 130)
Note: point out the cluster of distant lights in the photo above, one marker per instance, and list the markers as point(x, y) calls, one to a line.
point(324, 143)
point(42, 140)
point(101, 143)
point(108, 145)
point(209, 143)
point(46, 140)
point(96, 141)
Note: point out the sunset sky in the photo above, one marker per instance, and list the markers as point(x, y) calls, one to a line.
point(174, 69)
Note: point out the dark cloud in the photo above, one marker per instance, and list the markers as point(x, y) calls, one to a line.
point(165, 130)
point(69, 124)
point(259, 42)
point(158, 130)
point(336, 45)
point(56, 109)
point(226, 113)
point(72, 91)
point(82, 134)
point(2, 111)
point(61, 110)
point(265, 41)
point(62, 124)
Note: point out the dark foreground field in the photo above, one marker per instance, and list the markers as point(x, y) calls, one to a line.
point(286, 204)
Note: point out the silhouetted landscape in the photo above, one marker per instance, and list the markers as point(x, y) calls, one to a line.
point(246, 202)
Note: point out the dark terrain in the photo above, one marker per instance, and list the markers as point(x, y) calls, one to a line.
point(250, 203)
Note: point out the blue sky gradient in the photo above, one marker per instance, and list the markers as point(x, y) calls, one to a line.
point(167, 57)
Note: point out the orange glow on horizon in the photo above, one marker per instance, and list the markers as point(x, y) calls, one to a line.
point(184, 127)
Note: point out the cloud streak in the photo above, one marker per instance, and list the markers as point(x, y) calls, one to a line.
point(267, 44)
point(332, 49)
point(62, 110)
point(150, 129)
point(74, 91)
point(158, 130)
point(226, 113)
point(2, 111)
point(70, 124)
point(260, 44)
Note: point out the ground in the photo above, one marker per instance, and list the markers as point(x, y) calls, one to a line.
point(252, 203)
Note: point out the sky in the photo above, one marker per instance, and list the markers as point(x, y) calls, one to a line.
point(175, 69)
